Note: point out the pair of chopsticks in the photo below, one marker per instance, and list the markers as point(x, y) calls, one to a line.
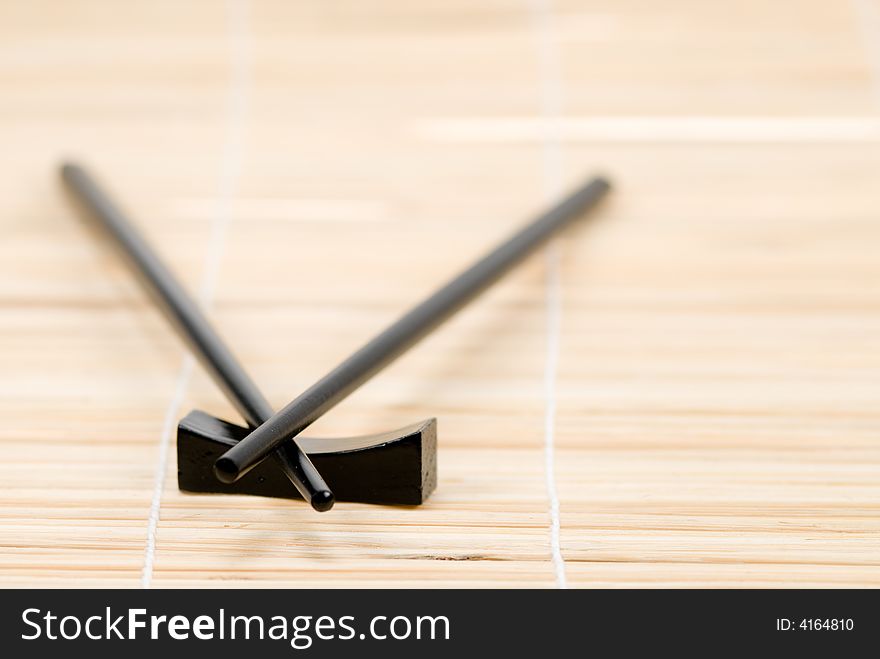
point(273, 433)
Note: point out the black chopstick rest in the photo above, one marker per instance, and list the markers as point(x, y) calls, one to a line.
point(393, 468)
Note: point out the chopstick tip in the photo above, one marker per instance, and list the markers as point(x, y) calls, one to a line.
point(226, 470)
point(602, 181)
point(323, 500)
point(69, 168)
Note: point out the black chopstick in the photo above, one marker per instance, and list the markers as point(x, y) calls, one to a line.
point(191, 324)
point(403, 334)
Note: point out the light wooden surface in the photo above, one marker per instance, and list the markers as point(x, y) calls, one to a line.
point(701, 365)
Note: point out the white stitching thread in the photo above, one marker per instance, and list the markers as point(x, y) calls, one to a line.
point(550, 70)
point(231, 162)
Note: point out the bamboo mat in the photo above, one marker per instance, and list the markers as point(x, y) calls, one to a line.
point(682, 393)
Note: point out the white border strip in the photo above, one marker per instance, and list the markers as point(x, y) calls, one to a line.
point(231, 160)
point(550, 70)
point(645, 129)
